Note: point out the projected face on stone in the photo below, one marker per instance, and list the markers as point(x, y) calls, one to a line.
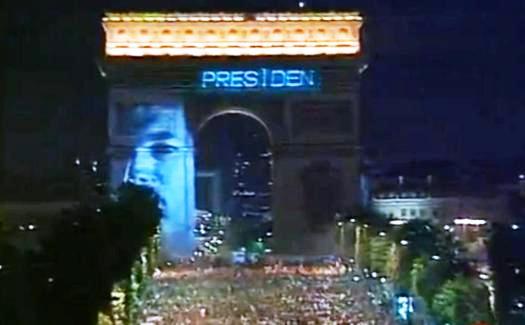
point(163, 160)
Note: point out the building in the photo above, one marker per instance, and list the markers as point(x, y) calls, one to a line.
point(440, 207)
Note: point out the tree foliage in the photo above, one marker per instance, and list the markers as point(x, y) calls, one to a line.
point(462, 301)
point(90, 249)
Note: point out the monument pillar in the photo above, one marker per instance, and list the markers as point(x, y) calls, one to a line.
point(311, 183)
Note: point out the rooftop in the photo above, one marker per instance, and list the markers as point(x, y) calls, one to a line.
point(232, 34)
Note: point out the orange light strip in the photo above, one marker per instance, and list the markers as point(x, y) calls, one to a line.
point(263, 34)
point(172, 17)
point(330, 16)
point(237, 51)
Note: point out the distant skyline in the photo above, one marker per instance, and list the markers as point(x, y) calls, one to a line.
point(444, 79)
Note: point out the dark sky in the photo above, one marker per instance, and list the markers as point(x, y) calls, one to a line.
point(445, 77)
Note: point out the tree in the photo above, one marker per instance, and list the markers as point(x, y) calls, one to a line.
point(89, 250)
point(462, 301)
point(379, 253)
point(419, 265)
point(365, 220)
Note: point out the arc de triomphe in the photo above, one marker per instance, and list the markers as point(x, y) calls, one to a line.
point(296, 73)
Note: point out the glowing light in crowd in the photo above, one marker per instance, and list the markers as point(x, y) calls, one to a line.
point(470, 222)
point(484, 276)
point(515, 227)
point(397, 222)
point(201, 34)
point(405, 306)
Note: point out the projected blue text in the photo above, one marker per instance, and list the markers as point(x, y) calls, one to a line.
point(259, 79)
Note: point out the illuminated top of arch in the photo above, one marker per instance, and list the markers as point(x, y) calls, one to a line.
point(232, 34)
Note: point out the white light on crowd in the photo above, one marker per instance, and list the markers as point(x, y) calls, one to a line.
point(374, 275)
point(520, 305)
point(356, 278)
point(1, 267)
point(404, 242)
point(397, 222)
point(301, 4)
point(382, 279)
point(31, 227)
point(436, 257)
point(382, 234)
point(470, 222)
point(515, 227)
point(484, 276)
point(340, 223)
point(446, 227)
point(352, 220)
point(77, 161)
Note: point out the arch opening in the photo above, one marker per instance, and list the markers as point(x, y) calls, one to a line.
point(233, 165)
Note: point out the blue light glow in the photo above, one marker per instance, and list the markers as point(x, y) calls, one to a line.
point(163, 160)
point(260, 79)
point(405, 307)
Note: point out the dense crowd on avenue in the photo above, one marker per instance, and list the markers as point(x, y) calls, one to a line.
point(270, 295)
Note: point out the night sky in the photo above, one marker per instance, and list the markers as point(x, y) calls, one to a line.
point(445, 77)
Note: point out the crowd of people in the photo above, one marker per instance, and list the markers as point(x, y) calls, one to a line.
point(271, 295)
